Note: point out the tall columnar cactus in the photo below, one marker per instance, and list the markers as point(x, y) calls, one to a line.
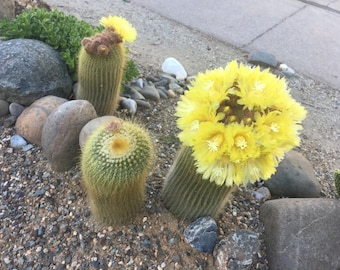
point(337, 181)
point(236, 125)
point(101, 64)
point(115, 162)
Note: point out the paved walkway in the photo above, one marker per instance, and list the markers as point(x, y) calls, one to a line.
point(303, 34)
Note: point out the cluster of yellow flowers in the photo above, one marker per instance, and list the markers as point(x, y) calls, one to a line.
point(121, 26)
point(239, 122)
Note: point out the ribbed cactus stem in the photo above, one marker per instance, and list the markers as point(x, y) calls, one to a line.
point(115, 163)
point(337, 181)
point(187, 195)
point(100, 71)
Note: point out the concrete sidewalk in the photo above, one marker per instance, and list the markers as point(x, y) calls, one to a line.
point(303, 34)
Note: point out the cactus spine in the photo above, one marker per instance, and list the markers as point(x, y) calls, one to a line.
point(115, 162)
point(100, 70)
point(337, 181)
point(187, 195)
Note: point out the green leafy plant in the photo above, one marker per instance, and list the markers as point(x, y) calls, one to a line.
point(130, 71)
point(61, 31)
point(337, 180)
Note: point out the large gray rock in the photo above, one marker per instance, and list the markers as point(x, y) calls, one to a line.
point(30, 69)
point(302, 233)
point(7, 9)
point(294, 178)
point(60, 134)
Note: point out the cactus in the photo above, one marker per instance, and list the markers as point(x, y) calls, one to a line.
point(187, 195)
point(337, 180)
point(115, 162)
point(100, 70)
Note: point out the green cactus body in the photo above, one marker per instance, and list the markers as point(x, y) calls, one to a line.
point(115, 162)
point(100, 71)
point(337, 181)
point(187, 195)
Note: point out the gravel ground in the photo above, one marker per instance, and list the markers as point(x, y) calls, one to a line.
point(45, 218)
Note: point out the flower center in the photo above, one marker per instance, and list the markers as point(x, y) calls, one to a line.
point(240, 142)
point(259, 86)
point(234, 112)
point(213, 145)
point(119, 145)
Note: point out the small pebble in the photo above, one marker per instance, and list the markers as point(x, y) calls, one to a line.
point(286, 70)
point(262, 194)
point(17, 141)
point(262, 58)
point(10, 121)
point(129, 104)
point(27, 147)
point(150, 92)
point(173, 66)
point(16, 109)
point(4, 108)
point(139, 82)
point(202, 234)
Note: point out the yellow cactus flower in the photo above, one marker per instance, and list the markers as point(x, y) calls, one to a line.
point(121, 26)
point(239, 122)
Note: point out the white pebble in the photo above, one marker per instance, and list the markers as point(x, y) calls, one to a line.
point(172, 66)
point(129, 104)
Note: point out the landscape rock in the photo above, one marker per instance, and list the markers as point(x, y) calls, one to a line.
point(132, 92)
point(302, 233)
point(16, 109)
point(30, 69)
point(262, 194)
point(143, 104)
point(60, 134)
point(128, 104)
point(91, 126)
point(7, 9)
point(262, 58)
point(17, 141)
point(4, 108)
point(173, 66)
point(10, 121)
point(294, 178)
point(150, 92)
point(139, 83)
point(237, 251)
point(31, 121)
point(202, 234)
point(286, 70)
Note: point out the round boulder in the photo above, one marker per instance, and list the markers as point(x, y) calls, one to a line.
point(60, 134)
point(294, 178)
point(31, 121)
point(30, 69)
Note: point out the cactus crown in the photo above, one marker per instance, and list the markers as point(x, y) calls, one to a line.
point(101, 43)
point(122, 149)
